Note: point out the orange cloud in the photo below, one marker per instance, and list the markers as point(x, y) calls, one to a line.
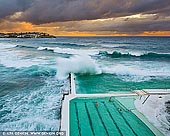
point(157, 33)
point(7, 26)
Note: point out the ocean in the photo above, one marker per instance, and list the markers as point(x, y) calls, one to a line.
point(33, 73)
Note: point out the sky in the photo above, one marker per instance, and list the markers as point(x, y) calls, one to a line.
point(86, 17)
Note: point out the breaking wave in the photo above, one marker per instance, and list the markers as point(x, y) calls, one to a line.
point(150, 55)
point(82, 64)
point(69, 50)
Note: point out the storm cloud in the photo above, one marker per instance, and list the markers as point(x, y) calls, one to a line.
point(46, 11)
point(120, 25)
point(10, 7)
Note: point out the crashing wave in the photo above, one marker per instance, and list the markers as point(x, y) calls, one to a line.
point(150, 55)
point(82, 64)
point(68, 50)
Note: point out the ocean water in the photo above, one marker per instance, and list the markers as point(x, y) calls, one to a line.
point(33, 73)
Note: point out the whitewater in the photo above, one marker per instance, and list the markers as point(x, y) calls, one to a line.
point(33, 75)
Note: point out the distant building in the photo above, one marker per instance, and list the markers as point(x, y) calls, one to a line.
point(26, 35)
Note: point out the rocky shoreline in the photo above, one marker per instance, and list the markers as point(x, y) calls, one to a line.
point(167, 106)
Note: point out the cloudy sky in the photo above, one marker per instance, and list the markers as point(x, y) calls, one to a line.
point(86, 17)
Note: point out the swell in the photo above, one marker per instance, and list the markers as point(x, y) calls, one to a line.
point(150, 55)
point(23, 46)
point(35, 48)
point(65, 44)
point(38, 71)
point(60, 50)
point(71, 51)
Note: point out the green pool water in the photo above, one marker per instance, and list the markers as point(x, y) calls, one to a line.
point(105, 117)
point(108, 83)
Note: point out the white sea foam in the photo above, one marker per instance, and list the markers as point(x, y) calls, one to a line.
point(35, 110)
point(7, 45)
point(120, 69)
point(70, 50)
point(76, 64)
point(127, 73)
point(137, 72)
point(154, 109)
point(12, 58)
point(31, 124)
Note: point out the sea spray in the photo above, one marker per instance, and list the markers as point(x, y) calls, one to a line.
point(76, 64)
